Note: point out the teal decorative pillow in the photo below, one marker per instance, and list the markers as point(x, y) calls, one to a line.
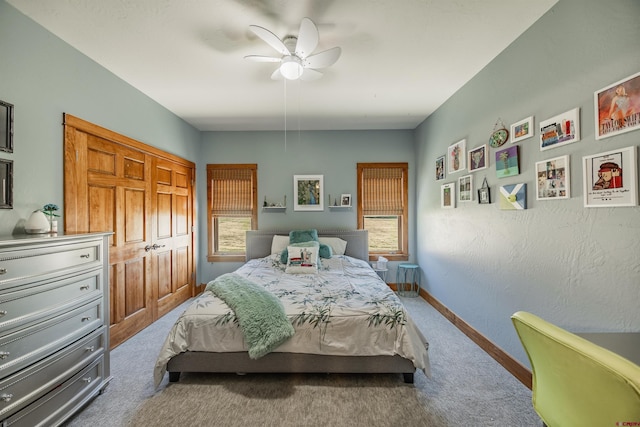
point(301, 236)
point(325, 251)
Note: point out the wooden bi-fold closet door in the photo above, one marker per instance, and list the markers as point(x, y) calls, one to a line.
point(145, 197)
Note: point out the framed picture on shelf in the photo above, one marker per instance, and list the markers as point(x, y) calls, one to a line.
point(553, 179)
point(465, 188)
point(560, 130)
point(345, 200)
point(507, 162)
point(456, 156)
point(308, 193)
point(440, 168)
point(616, 107)
point(448, 196)
point(478, 158)
point(6, 179)
point(522, 130)
point(611, 178)
point(6, 127)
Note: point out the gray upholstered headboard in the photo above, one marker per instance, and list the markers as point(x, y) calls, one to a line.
point(259, 242)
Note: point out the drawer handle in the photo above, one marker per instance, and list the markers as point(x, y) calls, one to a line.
point(85, 256)
point(84, 287)
point(87, 380)
point(4, 354)
point(85, 318)
point(3, 271)
point(90, 349)
point(3, 313)
point(5, 397)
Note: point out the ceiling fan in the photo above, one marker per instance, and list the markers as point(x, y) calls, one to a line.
point(297, 61)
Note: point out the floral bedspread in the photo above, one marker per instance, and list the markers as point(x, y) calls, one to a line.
point(344, 309)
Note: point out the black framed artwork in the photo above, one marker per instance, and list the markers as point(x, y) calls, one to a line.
point(6, 180)
point(6, 127)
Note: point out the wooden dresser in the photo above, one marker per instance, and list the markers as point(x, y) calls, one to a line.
point(54, 326)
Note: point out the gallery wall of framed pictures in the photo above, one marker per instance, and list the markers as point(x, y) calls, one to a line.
point(609, 177)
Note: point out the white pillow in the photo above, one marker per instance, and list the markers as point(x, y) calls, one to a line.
point(302, 258)
point(338, 246)
point(278, 244)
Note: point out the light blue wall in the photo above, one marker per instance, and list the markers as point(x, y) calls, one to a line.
point(578, 267)
point(333, 154)
point(44, 77)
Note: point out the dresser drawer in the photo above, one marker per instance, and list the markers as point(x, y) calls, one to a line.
point(55, 407)
point(26, 386)
point(31, 304)
point(22, 266)
point(28, 345)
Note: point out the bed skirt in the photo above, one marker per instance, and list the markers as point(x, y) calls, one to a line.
point(239, 362)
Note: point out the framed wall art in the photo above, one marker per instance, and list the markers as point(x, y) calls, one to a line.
point(6, 179)
point(308, 193)
point(6, 127)
point(440, 168)
point(617, 107)
point(448, 196)
point(513, 197)
point(465, 188)
point(456, 156)
point(522, 130)
point(553, 179)
point(478, 158)
point(500, 134)
point(484, 193)
point(345, 200)
point(560, 130)
point(610, 178)
point(507, 162)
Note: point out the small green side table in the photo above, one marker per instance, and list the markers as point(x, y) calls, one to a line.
point(408, 280)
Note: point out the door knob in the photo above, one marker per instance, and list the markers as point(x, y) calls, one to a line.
point(153, 247)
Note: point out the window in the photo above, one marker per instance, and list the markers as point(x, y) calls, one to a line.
point(232, 209)
point(383, 210)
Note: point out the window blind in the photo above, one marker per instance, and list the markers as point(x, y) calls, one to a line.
point(231, 191)
point(382, 191)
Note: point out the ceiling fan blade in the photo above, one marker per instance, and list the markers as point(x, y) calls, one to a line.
point(307, 38)
point(309, 74)
point(260, 58)
point(323, 59)
point(277, 75)
point(270, 38)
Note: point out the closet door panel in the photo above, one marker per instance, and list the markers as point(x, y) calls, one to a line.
point(173, 259)
point(145, 197)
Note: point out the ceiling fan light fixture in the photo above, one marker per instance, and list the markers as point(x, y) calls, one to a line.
point(291, 67)
point(297, 59)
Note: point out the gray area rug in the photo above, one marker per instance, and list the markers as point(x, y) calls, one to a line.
point(466, 388)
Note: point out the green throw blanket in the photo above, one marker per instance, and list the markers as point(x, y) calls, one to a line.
point(260, 314)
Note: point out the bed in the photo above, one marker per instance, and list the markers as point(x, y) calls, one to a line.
point(346, 319)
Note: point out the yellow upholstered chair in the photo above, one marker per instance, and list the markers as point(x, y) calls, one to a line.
point(576, 382)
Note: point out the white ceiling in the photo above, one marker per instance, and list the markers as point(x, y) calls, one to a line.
point(401, 59)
